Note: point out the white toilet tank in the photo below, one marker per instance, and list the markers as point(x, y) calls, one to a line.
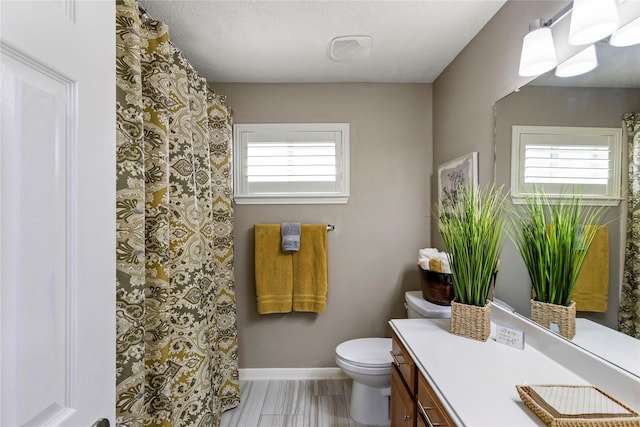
point(418, 307)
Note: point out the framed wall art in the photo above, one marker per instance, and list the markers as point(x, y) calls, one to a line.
point(457, 173)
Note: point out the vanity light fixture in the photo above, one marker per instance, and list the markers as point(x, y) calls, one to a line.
point(538, 52)
point(580, 63)
point(592, 20)
point(627, 35)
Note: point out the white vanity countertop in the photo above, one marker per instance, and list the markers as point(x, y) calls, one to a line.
point(616, 347)
point(476, 381)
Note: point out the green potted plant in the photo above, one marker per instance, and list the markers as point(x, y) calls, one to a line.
point(472, 227)
point(553, 252)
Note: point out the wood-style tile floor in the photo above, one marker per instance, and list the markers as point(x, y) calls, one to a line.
point(303, 403)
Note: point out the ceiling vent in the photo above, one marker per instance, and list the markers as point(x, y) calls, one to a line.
point(350, 48)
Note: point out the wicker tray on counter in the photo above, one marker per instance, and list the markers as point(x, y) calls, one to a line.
point(576, 406)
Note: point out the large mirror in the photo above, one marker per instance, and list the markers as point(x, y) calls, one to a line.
point(596, 99)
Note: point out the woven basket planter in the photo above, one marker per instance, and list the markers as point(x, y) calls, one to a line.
point(545, 314)
point(471, 321)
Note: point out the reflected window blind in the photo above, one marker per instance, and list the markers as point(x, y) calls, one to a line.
point(548, 164)
point(561, 160)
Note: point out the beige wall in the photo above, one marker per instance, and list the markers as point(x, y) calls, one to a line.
point(373, 251)
point(465, 93)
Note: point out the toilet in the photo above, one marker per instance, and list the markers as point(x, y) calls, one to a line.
point(418, 307)
point(368, 362)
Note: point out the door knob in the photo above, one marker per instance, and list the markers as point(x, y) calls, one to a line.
point(101, 422)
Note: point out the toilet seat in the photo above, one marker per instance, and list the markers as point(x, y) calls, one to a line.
point(366, 352)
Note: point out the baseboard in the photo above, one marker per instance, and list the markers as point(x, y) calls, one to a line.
point(253, 374)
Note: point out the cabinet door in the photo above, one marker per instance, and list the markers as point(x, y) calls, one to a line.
point(402, 360)
point(429, 407)
point(403, 407)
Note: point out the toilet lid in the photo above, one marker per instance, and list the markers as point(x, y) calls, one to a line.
point(366, 352)
point(426, 309)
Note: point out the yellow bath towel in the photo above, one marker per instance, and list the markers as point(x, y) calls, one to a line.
point(591, 292)
point(436, 265)
point(274, 271)
point(310, 272)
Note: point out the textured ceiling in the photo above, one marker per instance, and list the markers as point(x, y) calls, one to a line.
point(288, 41)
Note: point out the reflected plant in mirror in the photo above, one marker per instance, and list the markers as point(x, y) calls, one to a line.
point(554, 252)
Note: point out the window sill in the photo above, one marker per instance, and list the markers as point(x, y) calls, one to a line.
point(521, 199)
point(290, 200)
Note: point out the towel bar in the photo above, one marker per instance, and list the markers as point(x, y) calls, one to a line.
point(331, 227)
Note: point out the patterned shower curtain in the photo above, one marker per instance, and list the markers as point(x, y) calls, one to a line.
point(176, 320)
point(629, 317)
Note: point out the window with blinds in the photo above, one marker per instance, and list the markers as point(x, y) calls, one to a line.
point(563, 160)
point(291, 163)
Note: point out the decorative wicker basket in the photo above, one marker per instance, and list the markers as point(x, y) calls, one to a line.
point(564, 316)
point(436, 287)
point(591, 407)
point(471, 321)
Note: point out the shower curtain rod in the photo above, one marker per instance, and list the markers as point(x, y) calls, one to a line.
point(145, 15)
point(143, 11)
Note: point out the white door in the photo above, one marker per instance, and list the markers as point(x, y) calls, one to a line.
point(57, 213)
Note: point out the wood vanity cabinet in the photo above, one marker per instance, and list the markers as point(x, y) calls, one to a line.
point(413, 401)
point(403, 387)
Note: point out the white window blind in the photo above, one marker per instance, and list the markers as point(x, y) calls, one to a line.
point(291, 163)
point(563, 160)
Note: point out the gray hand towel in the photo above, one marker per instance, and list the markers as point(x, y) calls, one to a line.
point(290, 232)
